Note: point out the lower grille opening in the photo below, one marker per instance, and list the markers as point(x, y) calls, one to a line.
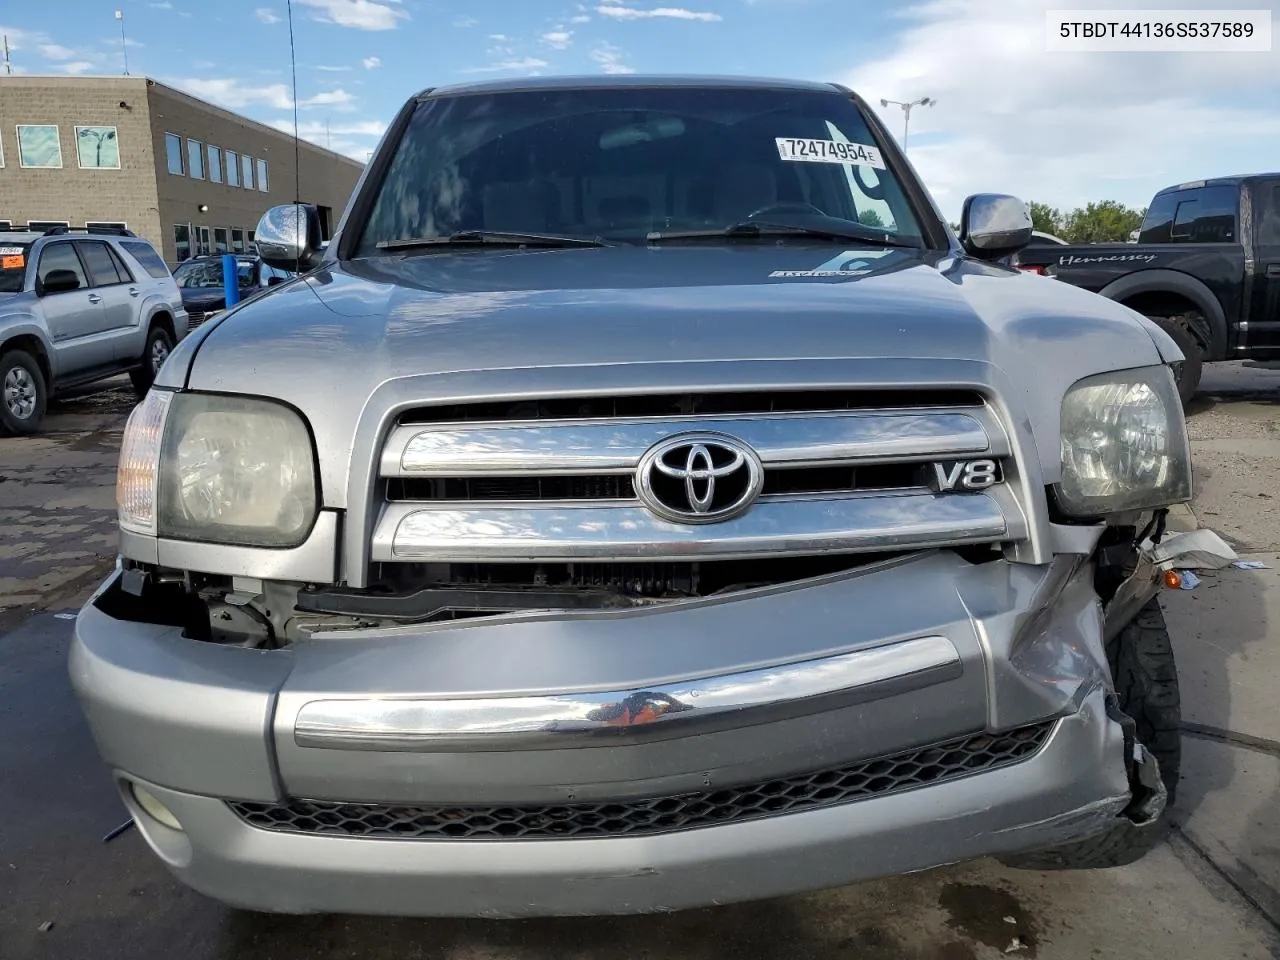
point(833, 786)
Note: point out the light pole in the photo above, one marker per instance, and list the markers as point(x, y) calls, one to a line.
point(100, 135)
point(906, 114)
point(124, 44)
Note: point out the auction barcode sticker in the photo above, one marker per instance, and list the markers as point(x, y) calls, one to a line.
point(828, 151)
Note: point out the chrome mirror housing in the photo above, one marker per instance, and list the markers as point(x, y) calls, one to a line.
point(288, 237)
point(994, 225)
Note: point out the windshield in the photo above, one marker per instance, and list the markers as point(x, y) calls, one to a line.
point(200, 274)
point(620, 163)
point(13, 266)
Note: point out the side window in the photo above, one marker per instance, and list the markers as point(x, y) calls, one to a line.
point(1266, 215)
point(146, 255)
point(1158, 223)
point(126, 275)
point(102, 269)
point(1207, 215)
point(60, 256)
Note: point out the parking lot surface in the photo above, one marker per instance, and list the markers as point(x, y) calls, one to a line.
point(1213, 891)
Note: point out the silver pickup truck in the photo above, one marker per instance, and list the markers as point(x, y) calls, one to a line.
point(643, 501)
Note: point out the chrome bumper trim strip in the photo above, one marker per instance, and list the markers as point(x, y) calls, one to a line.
point(679, 708)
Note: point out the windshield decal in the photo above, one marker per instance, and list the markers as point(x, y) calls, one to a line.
point(851, 263)
point(10, 251)
point(828, 151)
point(11, 261)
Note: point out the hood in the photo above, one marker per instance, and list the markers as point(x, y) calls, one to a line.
point(326, 342)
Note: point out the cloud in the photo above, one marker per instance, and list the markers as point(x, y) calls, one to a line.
point(128, 42)
point(580, 18)
point(500, 37)
point(235, 94)
point(465, 23)
point(353, 139)
point(328, 69)
point(328, 98)
point(358, 14)
point(610, 59)
point(53, 51)
point(558, 39)
point(526, 63)
point(77, 66)
point(1074, 127)
point(619, 12)
point(371, 63)
point(161, 5)
point(266, 15)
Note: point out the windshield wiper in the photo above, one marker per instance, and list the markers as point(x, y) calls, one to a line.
point(497, 238)
point(828, 229)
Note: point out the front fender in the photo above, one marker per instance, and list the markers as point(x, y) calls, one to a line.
point(25, 325)
point(1183, 284)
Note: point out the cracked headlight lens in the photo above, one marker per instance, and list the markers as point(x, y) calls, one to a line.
point(236, 470)
point(1124, 444)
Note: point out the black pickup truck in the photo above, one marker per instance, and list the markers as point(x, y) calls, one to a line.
point(1206, 267)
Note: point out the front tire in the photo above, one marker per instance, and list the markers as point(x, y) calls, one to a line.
point(1192, 367)
point(159, 346)
point(23, 393)
point(1146, 683)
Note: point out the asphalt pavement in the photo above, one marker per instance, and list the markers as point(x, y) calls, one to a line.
point(1212, 891)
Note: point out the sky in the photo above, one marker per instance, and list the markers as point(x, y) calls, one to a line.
point(1063, 128)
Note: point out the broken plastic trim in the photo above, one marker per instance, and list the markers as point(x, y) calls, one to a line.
point(432, 602)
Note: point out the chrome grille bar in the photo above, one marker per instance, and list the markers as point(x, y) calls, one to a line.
point(608, 531)
point(569, 447)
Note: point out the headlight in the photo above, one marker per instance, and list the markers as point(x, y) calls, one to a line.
point(1124, 444)
point(217, 469)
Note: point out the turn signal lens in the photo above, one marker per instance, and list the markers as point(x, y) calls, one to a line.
point(140, 464)
point(1173, 580)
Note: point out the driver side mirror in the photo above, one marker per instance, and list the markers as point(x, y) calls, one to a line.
point(59, 281)
point(288, 236)
point(994, 225)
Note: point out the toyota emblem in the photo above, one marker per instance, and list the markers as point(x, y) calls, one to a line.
point(699, 478)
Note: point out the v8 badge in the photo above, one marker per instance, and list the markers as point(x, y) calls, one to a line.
point(967, 475)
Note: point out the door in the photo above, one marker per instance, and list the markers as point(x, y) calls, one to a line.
point(1264, 310)
point(75, 318)
point(121, 296)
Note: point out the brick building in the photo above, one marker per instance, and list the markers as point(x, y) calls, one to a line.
point(128, 151)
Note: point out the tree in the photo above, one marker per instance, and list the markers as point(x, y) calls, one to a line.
point(1045, 218)
point(1108, 221)
point(869, 218)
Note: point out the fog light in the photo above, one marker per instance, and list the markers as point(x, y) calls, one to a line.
point(149, 802)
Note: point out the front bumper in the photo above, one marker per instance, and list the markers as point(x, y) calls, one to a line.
point(1003, 645)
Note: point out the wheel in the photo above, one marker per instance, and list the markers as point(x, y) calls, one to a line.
point(23, 393)
point(1187, 373)
point(159, 346)
point(1146, 683)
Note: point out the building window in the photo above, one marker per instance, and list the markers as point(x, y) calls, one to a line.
point(182, 241)
point(262, 176)
point(195, 159)
point(105, 224)
point(250, 236)
point(1, 151)
point(173, 152)
point(38, 145)
point(5, 226)
point(205, 245)
point(233, 169)
point(237, 240)
point(44, 226)
point(246, 171)
point(215, 164)
point(220, 240)
point(97, 148)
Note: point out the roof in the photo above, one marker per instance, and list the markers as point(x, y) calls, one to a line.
point(1228, 181)
point(627, 81)
point(19, 236)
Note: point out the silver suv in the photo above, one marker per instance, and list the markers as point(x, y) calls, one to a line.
point(644, 501)
point(77, 307)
